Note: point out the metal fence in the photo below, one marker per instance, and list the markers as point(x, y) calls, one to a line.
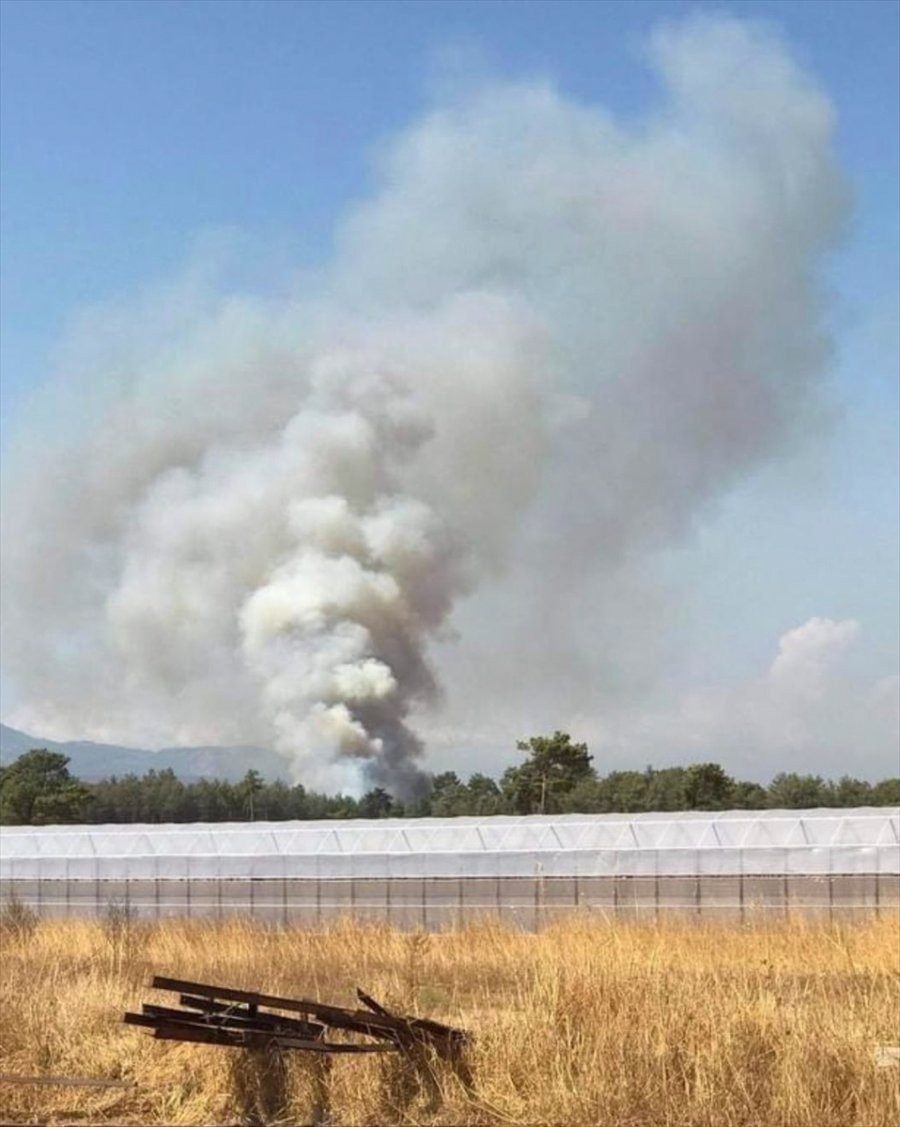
point(440, 902)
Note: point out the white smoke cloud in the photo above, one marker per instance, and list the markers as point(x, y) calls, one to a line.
point(546, 344)
point(805, 712)
point(807, 654)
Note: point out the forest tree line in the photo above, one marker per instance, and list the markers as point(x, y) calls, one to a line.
point(556, 776)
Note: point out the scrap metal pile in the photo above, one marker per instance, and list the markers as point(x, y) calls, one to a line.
point(220, 1015)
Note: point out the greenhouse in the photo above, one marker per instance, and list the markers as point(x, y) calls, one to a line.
point(416, 868)
point(675, 844)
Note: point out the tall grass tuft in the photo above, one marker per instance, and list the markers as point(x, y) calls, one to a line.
point(18, 921)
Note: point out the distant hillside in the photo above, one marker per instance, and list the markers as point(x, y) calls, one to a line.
point(91, 761)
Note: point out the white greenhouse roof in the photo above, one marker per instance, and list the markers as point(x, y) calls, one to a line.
point(862, 840)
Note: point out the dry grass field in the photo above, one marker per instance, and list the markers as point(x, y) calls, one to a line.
point(589, 1022)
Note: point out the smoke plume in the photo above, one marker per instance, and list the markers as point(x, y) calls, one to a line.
point(549, 335)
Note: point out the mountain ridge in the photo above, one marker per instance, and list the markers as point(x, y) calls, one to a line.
point(92, 761)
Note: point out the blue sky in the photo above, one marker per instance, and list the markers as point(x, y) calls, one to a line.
point(132, 130)
point(128, 128)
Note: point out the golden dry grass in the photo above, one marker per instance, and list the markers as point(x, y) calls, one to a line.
point(588, 1022)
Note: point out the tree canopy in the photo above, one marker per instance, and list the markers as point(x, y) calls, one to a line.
point(556, 776)
point(553, 768)
point(37, 789)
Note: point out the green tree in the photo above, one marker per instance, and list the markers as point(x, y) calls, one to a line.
point(623, 792)
point(298, 805)
point(749, 796)
point(276, 801)
point(707, 787)
point(418, 807)
point(37, 789)
point(376, 803)
point(789, 791)
point(848, 791)
point(666, 789)
point(213, 801)
point(553, 768)
point(586, 797)
point(163, 796)
point(483, 795)
point(445, 780)
point(448, 796)
point(340, 806)
point(249, 787)
point(886, 793)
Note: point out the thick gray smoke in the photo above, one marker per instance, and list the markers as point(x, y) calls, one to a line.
point(543, 318)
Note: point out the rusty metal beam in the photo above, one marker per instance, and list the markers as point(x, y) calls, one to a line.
point(216, 1015)
point(190, 1028)
point(379, 1023)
